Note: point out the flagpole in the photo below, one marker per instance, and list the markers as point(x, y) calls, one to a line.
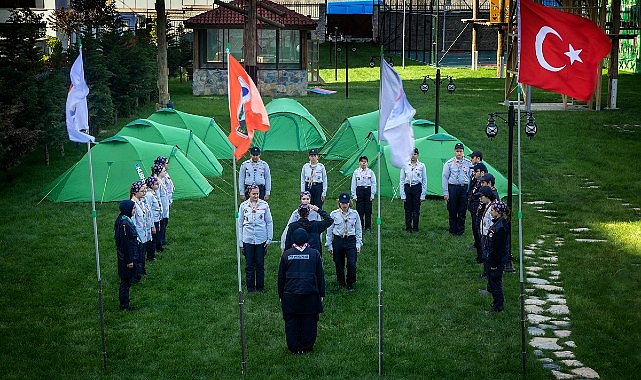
point(378, 234)
point(95, 238)
point(241, 301)
point(520, 217)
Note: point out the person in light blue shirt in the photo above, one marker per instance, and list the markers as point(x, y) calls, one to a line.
point(344, 241)
point(313, 178)
point(255, 172)
point(255, 232)
point(363, 191)
point(457, 172)
point(413, 188)
point(159, 171)
point(153, 201)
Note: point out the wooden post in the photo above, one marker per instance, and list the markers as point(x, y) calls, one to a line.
point(613, 66)
point(163, 70)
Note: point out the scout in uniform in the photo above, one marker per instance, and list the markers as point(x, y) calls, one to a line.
point(412, 188)
point(363, 191)
point(456, 178)
point(344, 241)
point(313, 178)
point(255, 172)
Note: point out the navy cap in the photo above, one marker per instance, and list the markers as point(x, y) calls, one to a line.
point(487, 178)
point(480, 166)
point(313, 152)
point(458, 146)
point(487, 191)
point(254, 151)
point(343, 198)
point(477, 153)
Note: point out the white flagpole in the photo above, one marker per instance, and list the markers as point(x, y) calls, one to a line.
point(241, 301)
point(520, 216)
point(95, 237)
point(378, 227)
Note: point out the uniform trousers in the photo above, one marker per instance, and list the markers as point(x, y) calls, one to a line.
point(457, 207)
point(345, 250)
point(139, 260)
point(495, 286)
point(162, 234)
point(261, 192)
point(412, 206)
point(316, 191)
point(476, 225)
point(255, 266)
point(126, 276)
point(364, 206)
point(300, 331)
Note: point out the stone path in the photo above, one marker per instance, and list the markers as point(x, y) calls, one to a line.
point(545, 305)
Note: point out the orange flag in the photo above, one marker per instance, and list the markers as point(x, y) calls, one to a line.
point(247, 112)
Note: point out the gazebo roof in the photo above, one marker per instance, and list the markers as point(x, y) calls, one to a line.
point(225, 18)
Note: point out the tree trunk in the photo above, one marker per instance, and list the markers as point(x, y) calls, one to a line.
point(163, 70)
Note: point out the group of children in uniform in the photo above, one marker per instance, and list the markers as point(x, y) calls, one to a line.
point(140, 228)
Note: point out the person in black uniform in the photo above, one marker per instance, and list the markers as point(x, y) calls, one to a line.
point(126, 239)
point(313, 227)
point(301, 289)
point(496, 253)
point(473, 201)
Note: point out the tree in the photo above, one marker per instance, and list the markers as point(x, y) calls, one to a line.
point(163, 71)
point(15, 141)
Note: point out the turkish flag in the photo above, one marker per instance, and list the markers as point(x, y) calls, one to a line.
point(246, 109)
point(559, 51)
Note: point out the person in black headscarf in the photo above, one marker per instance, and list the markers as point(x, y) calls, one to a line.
point(314, 228)
point(126, 239)
point(301, 289)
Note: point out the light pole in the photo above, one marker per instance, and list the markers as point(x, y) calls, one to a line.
point(451, 87)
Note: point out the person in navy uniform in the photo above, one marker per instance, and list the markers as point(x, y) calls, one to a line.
point(255, 172)
point(476, 157)
point(412, 188)
point(126, 240)
point(473, 201)
point(305, 199)
point(344, 241)
point(255, 233)
point(313, 178)
point(496, 253)
point(363, 191)
point(487, 196)
point(301, 289)
point(456, 178)
point(314, 228)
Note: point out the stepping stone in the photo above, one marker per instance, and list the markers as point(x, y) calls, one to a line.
point(535, 331)
point(559, 309)
point(554, 278)
point(545, 343)
point(562, 333)
point(626, 204)
point(561, 323)
point(591, 240)
point(553, 259)
point(555, 273)
point(564, 354)
point(552, 366)
point(561, 375)
point(549, 216)
point(550, 252)
point(538, 202)
point(533, 268)
point(536, 318)
point(539, 281)
point(538, 353)
point(615, 199)
point(533, 309)
point(555, 296)
point(570, 343)
point(586, 373)
point(572, 363)
point(534, 301)
point(560, 222)
point(549, 288)
point(558, 300)
point(580, 229)
point(545, 210)
point(546, 360)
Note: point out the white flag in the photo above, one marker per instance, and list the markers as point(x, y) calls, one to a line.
point(394, 125)
point(77, 111)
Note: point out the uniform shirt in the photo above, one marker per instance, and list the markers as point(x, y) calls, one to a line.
point(163, 195)
point(142, 220)
point(313, 215)
point(313, 174)
point(153, 201)
point(486, 219)
point(169, 185)
point(363, 177)
point(345, 224)
point(456, 172)
point(413, 174)
point(254, 173)
point(254, 223)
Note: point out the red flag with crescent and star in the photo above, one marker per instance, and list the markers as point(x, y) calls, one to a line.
point(560, 51)
point(247, 112)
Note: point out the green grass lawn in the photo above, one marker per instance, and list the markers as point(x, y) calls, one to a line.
point(435, 327)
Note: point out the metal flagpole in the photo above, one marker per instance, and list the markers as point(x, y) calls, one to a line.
point(241, 302)
point(520, 216)
point(95, 238)
point(378, 233)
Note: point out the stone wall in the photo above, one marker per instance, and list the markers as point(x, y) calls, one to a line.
point(272, 83)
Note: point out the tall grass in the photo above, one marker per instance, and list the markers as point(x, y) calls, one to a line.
point(435, 325)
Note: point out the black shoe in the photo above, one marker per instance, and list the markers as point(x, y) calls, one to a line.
point(482, 276)
point(350, 288)
point(494, 309)
point(127, 308)
point(509, 267)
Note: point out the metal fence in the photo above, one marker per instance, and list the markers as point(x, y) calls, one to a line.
point(307, 8)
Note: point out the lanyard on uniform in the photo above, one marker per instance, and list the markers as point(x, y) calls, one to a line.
point(412, 166)
point(254, 208)
point(311, 174)
point(345, 219)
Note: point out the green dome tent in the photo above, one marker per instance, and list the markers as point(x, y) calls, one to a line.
point(191, 146)
point(354, 131)
point(434, 151)
point(203, 127)
point(291, 128)
point(118, 162)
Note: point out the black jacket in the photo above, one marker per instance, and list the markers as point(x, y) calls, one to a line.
point(301, 281)
point(126, 239)
point(313, 227)
point(497, 245)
